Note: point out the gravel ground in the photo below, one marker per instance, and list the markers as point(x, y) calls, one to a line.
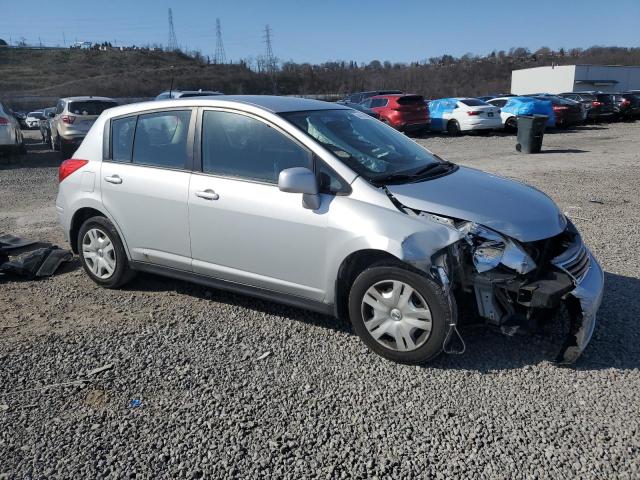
point(206, 384)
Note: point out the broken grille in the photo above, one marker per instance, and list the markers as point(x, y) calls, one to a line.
point(577, 265)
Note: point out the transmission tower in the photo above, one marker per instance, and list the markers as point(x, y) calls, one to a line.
point(220, 56)
point(173, 41)
point(270, 60)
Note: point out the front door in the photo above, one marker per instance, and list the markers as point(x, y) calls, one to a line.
point(243, 228)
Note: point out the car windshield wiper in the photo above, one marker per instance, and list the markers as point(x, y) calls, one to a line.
point(417, 175)
point(433, 168)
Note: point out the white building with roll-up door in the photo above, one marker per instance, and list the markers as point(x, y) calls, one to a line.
point(575, 78)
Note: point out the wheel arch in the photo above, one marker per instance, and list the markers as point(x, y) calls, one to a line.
point(84, 213)
point(354, 264)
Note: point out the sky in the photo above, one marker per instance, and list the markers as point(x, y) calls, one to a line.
point(324, 30)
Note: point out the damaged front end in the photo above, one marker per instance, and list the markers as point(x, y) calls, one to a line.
point(521, 285)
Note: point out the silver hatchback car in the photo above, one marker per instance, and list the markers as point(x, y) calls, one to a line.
point(322, 207)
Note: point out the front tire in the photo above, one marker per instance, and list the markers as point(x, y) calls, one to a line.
point(400, 315)
point(102, 253)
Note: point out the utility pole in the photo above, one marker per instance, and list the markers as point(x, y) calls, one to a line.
point(270, 60)
point(220, 56)
point(173, 41)
point(64, 39)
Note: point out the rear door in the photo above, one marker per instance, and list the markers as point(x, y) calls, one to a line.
point(145, 183)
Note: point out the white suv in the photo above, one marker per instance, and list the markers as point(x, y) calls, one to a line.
point(321, 206)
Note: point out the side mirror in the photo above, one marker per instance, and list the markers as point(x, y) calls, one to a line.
point(301, 180)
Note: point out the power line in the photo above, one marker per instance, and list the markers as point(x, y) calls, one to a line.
point(220, 56)
point(173, 41)
point(270, 59)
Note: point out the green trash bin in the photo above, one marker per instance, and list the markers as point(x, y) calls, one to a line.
point(530, 133)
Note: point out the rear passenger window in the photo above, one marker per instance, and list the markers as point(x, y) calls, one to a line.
point(122, 131)
point(379, 102)
point(239, 146)
point(161, 139)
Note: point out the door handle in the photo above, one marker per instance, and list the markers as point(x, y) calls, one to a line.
point(113, 179)
point(207, 194)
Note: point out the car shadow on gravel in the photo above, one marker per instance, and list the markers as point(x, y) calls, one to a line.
point(38, 155)
point(563, 150)
point(614, 344)
point(153, 283)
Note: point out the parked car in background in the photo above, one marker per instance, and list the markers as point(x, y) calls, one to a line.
point(74, 117)
point(626, 105)
point(511, 107)
point(45, 124)
point(567, 112)
point(359, 97)
point(404, 112)
point(361, 108)
point(32, 119)
point(11, 139)
point(602, 107)
point(588, 102)
point(186, 94)
point(456, 115)
point(400, 242)
point(485, 98)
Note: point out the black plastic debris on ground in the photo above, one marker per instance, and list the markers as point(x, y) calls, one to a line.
point(30, 258)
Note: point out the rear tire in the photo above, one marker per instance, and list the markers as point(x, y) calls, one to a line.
point(511, 124)
point(414, 321)
point(102, 253)
point(54, 144)
point(66, 151)
point(453, 128)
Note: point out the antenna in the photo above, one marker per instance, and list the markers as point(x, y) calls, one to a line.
point(220, 56)
point(270, 60)
point(173, 41)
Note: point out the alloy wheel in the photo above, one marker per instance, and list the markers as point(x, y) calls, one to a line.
point(99, 253)
point(396, 315)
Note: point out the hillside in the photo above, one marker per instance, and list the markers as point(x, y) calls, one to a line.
point(144, 73)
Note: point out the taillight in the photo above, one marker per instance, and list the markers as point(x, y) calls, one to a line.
point(625, 102)
point(69, 166)
point(560, 107)
point(68, 119)
point(4, 121)
point(596, 103)
point(473, 112)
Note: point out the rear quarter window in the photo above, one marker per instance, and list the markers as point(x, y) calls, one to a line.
point(122, 132)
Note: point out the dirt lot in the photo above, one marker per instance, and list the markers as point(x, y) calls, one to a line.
point(232, 387)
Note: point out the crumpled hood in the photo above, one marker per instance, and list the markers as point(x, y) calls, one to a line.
point(507, 206)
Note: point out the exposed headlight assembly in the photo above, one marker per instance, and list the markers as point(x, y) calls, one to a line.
point(490, 249)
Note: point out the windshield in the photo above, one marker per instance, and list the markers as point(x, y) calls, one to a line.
point(369, 147)
point(35, 115)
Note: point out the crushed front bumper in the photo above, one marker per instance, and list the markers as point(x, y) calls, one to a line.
point(583, 303)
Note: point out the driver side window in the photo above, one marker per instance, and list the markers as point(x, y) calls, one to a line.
point(240, 146)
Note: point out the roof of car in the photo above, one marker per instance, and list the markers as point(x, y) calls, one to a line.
point(271, 103)
point(85, 98)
